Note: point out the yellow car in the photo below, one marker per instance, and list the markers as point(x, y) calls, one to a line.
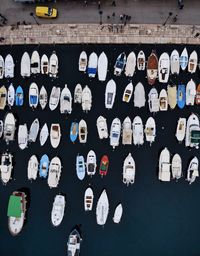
point(46, 12)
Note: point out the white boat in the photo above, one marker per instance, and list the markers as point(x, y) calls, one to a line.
point(54, 98)
point(6, 167)
point(25, 65)
point(176, 167)
point(80, 167)
point(119, 64)
point(82, 131)
point(163, 100)
point(35, 63)
point(172, 96)
point(139, 96)
point(1, 128)
point(164, 165)
point(130, 64)
point(102, 66)
point(54, 172)
point(92, 65)
point(102, 208)
point(78, 94)
point(43, 97)
point(115, 131)
point(86, 100)
point(192, 63)
point(181, 129)
point(118, 213)
point(22, 136)
point(82, 63)
point(141, 60)
point(102, 127)
point(44, 134)
point(128, 91)
point(34, 129)
point(190, 92)
point(9, 67)
point(153, 101)
point(193, 170)
point(9, 128)
point(53, 65)
point(163, 68)
point(110, 94)
point(88, 199)
point(150, 130)
point(32, 167)
point(192, 138)
point(65, 101)
point(11, 95)
point(138, 132)
point(129, 170)
point(184, 59)
point(3, 97)
point(33, 95)
point(55, 135)
point(44, 64)
point(1, 67)
point(91, 163)
point(58, 210)
point(174, 62)
point(74, 243)
point(127, 133)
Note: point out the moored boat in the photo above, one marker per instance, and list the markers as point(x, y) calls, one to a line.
point(35, 63)
point(128, 91)
point(163, 68)
point(129, 170)
point(181, 96)
point(164, 173)
point(197, 99)
point(11, 95)
point(102, 66)
point(9, 66)
point(184, 59)
point(82, 63)
point(115, 131)
point(181, 129)
point(152, 68)
point(130, 64)
point(74, 243)
point(78, 94)
point(19, 96)
point(127, 133)
point(190, 92)
point(86, 100)
point(150, 130)
point(91, 163)
point(88, 199)
point(193, 170)
point(82, 131)
point(6, 167)
point(138, 132)
point(43, 97)
point(92, 65)
point(103, 168)
point(153, 101)
point(22, 136)
point(34, 129)
point(120, 64)
point(54, 172)
point(74, 131)
point(110, 93)
point(176, 167)
point(25, 65)
point(44, 64)
point(54, 98)
point(58, 210)
point(44, 134)
point(1, 67)
point(139, 96)
point(102, 127)
point(192, 138)
point(163, 99)
point(192, 63)
point(65, 101)
point(9, 128)
point(174, 62)
point(32, 167)
point(55, 135)
point(53, 65)
point(80, 167)
point(118, 213)
point(44, 166)
point(172, 96)
point(102, 208)
point(33, 95)
point(3, 97)
point(141, 60)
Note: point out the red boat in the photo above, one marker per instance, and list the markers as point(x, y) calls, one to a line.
point(103, 166)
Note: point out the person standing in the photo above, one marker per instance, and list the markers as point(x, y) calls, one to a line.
point(99, 5)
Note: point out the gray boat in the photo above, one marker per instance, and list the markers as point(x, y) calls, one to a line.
point(74, 243)
point(34, 129)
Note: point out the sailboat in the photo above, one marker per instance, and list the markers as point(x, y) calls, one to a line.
point(86, 100)
point(130, 64)
point(164, 165)
point(152, 68)
point(115, 132)
point(6, 167)
point(181, 96)
point(102, 208)
point(74, 243)
point(25, 65)
point(184, 59)
point(11, 95)
point(44, 166)
point(138, 132)
point(53, 65)
point(78, 94)
point(1, 67)
point(127, 132)
point(65, 101)
point(19, 96)
point(32, 167)
point(192, 63)
point(102, 66)
point(181, 129)
point(44, 134)
point(9, 128)
point(74, 131)
point(197, 99)
point(58, 210)
point(190, 92)
point(154, 104)
point(141, 61)
point(54, 98)
point(44, 65)
point(34, 129)
point(193, 170)
point(22, 136)
point(82, 131)
point(174, 62)
point(102, 127)
point(92, 65)
point(110, 94)
point(80, 167)
point(163, 68)
point(176, 167)
point(9, 67)
point(35, 63)
point(163, 99)
point(88, 199)
point(129, 170)
point(33, 95)
point(128, 91)
point(118, 213)
point(82, 63)
point(43, 97)
point(54, 172)
point(120, 64)
point(91, 163)
point(103, 168)
point(192, 138)
point(172, 96)
point(139, 96)
point(3, 97)
point(150, 130)
point(55, 135)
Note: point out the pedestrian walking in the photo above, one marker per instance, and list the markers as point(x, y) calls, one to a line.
point(113, 3)
point(175, 18)
point(196, 35)
point(121, 16)
point(85, 3)
point(99, 5)
point(180, 4)
point(113, 14)
point(108, 17)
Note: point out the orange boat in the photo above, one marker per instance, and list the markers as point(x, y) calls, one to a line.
point(198, 95)
point(152, 68)
point(104, 166)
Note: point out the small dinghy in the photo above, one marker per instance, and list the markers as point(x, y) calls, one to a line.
point(92, 65)
point(103, 168)
point(44, 134)
point(176, 167)
point(129, 170)
point(54, 98)
point(58, 210)
point(9, 67)
point(150, 130)
point(74, 131)
point(172, 96)
point(184, 59)
point(65, 101)
point(174, 62)
point(33, 132)
point(181, 96)
point(115, 131)
point(32, 168)
point(163, 99)
point(53, 65)
point(130, 64)
point(102, 208)
point(138, 132)
point(54, 172)
point(3, 97)
point(139, 96)
point(55, 135)
point(192, 138)
point(11, 95)
point(44, 64)
point(33, 95)
point(110, 94)
point(80, 167)
point(19, 97)
point(118, 213)
point(82, 131)
point(190, 93)
point(22, 136)
point(35, 63)
point(197, 99)
point(102, 66)
point(25, 65)
point(86, 100)
point(120, 64)
point(181, 129)
point(141, 60)
point(154, 104)
point(152, 68)
point(127, 132)
point(6, 167)
point(91, 163)
point(193, 170)
point(164, 165)
point(1, 67)
point(1, 128)
point(78, 94)
point(44, 166)
point(163, 68)
point(128, 91)
point(88, 199)
point(82, 63)
point(9, 128)
point(43, 97)
point(192, 63)
point(102, 127)
point(74, 243)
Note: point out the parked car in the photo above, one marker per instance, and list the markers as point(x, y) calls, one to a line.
point(46, 12)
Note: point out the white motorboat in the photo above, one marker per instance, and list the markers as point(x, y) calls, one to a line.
point(88, 199)
point(163, 68)
point(120, 64)
point(192, 63)
point(110, 94)
point(35, 63)
point(80, 167)
point(43, 97)
point(139, 96)
point(78, 94)
point(150, 130)
point(102, 66)
point(130, 64)
point(190, 92)
point(138, 132)
point(184, 59)
point(102, 208)
point(102, 127)
point(74, 243)
point(1, 67)
point(11, 95)
point(127, 133)
point(82, 131)
point(129, 170)
point(1, 128)
point(65, 101)
point(9, 128)
point(115, 131)
point(128, 91)
point(192, 138)
point(82, 63)
point(118, 213)
point(163, 100)
point(164, 165)
point(44, 65)
point(33, 132)
point(92, 65)
point(3, 97)
point(91, 163)
point(86, 100)
point(176, 167)
point(141, 60)
point(54, 172)
point(9, 67)
point(25, 65)
point(33, 167)
point(172, 96)
point(54, 98)
point(44, 134)
point(193, 170)
point(154, 104)
point(181, 129)
point(174, 62)
point(22, 136)
point(55, 135)
point(6, 167)
point(53, 65)
point(33, 95)
point(58, 210)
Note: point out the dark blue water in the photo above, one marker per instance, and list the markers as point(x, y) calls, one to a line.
point(159, 218)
